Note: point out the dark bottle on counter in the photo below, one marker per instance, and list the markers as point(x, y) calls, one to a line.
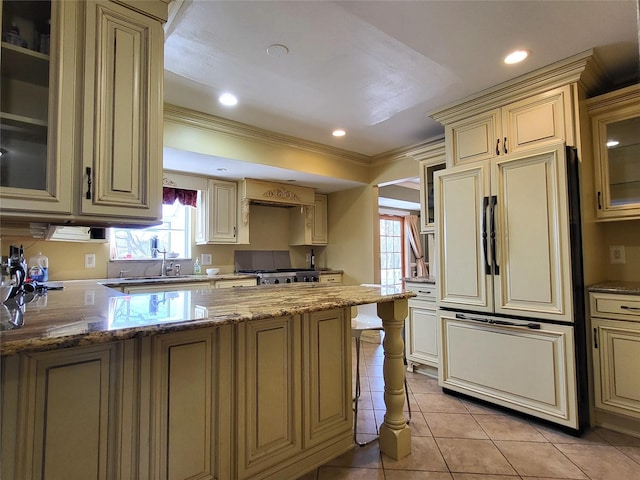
point(312, 264)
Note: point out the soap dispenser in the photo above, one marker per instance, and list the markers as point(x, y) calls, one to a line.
point(196, 267)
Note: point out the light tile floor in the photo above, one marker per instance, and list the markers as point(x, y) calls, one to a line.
point(455, 439)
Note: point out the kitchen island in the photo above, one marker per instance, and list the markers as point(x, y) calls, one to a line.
point(249, 382)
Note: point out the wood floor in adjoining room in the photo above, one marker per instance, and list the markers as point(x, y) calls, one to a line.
point(456, 439)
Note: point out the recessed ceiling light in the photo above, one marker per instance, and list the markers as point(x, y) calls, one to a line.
point(516, 57)
point(612, 143)
point(277, 50)
point(339, 133)
point(228, 99)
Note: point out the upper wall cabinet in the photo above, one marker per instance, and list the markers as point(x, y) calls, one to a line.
point(37, 106)
point(81, 112)
point(615, 123)
point(534, 121)
point(217, 213)
point(431, 158)
point(309, 223)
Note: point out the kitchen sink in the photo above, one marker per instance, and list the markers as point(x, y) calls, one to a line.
point(156, 277)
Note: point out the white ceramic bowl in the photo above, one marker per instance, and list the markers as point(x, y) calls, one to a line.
point(212, 271)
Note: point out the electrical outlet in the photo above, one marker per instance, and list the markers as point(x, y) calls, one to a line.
point(206, 259)
point(616, 254)
point(308, 258)
point(90, 260)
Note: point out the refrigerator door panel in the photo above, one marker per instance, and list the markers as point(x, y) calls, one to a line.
point(465, 281)
point(532, 235)
point(531, 370)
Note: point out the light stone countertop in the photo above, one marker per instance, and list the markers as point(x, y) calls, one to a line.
point(85, 312)
point(614, 286)
point(428, 279)
point(118, 282)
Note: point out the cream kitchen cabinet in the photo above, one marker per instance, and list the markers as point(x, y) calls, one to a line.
point(431, 159)
point(615, 320)
point(330, 278)
point(420, 326)
point(190, 373)
point(504, 236)
point(90, 118)
point(538, 120)
point(235, 282)
point(480, 359)
point(308, 224)
point(269, 398)
point(281, 358)
point(615, 117)
point(71, 414)
point(217, 213)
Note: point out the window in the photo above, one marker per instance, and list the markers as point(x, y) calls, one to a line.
point(391, 250)
point(174, 236)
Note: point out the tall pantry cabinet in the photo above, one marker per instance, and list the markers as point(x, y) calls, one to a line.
point(81, 111)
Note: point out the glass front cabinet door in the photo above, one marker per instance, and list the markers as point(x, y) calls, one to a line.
point(35, 162)
point(615, 121)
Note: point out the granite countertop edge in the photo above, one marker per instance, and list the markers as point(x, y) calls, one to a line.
point(75, 323)
point(427, 279)
point(616, 286)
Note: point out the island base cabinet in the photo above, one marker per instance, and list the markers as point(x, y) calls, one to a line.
point(187, 369)
point(328, 406)
point(60, 414)
point(269, 394)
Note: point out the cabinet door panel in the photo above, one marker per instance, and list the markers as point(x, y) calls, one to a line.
point(533, 249)
point(617, 382)
point(185, 370)
point(122, 144)
point(37, 116)
point(327, 375)
point(537, 120)
point(422, 335)
point(473, 139)
point(463, 281)
point(73, 417)
point(223, 219)
point(269, 416)
point(532, 371)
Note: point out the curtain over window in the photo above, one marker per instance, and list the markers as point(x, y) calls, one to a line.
point(416, 246)
point(185, 197)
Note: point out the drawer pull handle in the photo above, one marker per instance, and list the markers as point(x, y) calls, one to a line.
point(428, 292)
point(504, 323)
point(627, 307)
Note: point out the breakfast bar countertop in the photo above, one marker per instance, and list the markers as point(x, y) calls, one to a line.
point(85, 312)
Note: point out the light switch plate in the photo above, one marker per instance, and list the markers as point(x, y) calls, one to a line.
point(616, 254)
point(206, 259)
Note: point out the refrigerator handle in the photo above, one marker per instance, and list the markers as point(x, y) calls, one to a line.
point(492, 233)
point(493, 321)
point(487, 267)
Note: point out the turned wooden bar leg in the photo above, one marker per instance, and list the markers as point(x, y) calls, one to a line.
point(395, 434)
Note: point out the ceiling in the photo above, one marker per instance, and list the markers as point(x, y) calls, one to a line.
point(373, 68)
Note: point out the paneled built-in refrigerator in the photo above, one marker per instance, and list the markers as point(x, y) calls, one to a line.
point(510, 292)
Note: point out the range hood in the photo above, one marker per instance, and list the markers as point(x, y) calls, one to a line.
point(276, 194)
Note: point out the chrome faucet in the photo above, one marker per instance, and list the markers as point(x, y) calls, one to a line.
point(163, 272)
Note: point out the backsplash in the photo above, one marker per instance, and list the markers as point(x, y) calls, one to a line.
point(269, 231)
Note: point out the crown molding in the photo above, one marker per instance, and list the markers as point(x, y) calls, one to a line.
point(242, 131)
point(583, 68)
